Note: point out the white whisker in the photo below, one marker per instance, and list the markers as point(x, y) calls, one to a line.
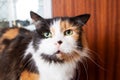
point(96, 63)
point(85, 70)
point(91, 52)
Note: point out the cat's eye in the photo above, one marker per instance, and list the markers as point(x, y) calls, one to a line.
point(68, 32)
point(47, 34)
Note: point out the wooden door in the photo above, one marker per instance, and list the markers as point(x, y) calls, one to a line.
point(103, 33)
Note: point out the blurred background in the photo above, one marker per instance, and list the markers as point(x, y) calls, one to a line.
point(17, 12)
point(102, 29)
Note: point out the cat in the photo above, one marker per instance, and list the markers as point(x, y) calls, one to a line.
point(54, 50)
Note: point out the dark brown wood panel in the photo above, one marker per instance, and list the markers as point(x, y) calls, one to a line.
point(102, 30)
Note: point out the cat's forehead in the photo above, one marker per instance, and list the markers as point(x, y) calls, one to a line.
point(60, 23)
point(56, 20)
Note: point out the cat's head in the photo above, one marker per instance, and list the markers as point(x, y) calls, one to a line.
point(60, 39)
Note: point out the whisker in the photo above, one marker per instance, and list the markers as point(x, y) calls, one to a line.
point(96, 63)
point(91, 52)
point(85, 61)
point(31, 66)
point(28, 61)
point(88, 55)
point(85, 70)
point(23, 67)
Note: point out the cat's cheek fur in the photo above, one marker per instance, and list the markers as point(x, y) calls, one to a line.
point(68, 45)
point(47, 46)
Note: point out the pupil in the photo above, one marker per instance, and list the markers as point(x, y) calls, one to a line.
point(68, 32)
point(47, 34)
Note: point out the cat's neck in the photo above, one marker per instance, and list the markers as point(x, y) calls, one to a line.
point(54, 71)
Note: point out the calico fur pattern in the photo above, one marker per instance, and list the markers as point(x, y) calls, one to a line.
point(53, 51)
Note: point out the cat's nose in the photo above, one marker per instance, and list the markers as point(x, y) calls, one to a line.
point(59, 42)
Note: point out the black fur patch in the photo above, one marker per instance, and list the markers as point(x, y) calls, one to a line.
point(80, 72)
point(79, 42)
point(29, 64)
point(11, 58)
point(51, 58)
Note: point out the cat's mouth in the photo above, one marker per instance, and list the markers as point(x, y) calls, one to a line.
point(58, 52)
point(56, 57)
point(61, 57)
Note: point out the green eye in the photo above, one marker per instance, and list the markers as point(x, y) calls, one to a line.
point(68, 32)
point(47, 34)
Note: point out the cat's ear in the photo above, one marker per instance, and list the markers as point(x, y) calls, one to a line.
point(35, 17)
point(81, 19)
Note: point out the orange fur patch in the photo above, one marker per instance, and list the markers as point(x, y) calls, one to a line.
point(65, 25)
point(9, 34)
point(52, 31)
point(2, 48)
point(69, 57)
point(26, 75)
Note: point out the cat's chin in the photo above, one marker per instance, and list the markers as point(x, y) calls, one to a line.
point(56, 58)
point(59, 54)
point(61, 57)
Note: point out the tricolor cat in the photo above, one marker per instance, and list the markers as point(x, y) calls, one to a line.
point(51, 52)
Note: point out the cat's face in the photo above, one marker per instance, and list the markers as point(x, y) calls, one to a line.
point(60, 39)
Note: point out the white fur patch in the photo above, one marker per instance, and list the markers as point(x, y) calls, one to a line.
point(54, 71)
